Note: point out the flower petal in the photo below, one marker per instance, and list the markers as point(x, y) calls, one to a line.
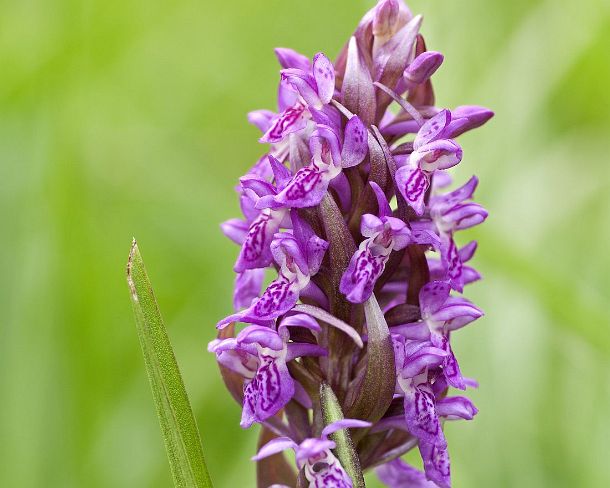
point(290, 120)
point(359, 279)
point(274, 446)
point(421, 417)
point(247, 287)
point(412, 184)
point(355, 144)
point(289, 58)
point(457, 407)
point(324, 74)
point(436, 463)
point(432, 296)
point(432, 129)
point(344, 424)
point(398, 474)
point(383, 206)
point(266, 394)
point(255, 251)
point(440, 154)
point(235, 229)
point(306, 189)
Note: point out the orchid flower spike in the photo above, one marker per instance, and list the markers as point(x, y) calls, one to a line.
point(350, 268)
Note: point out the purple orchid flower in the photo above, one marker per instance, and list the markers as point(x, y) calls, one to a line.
point(330, 153)
point(322, 469)
point(450, 213)
point(384, 234)
point(441, 314)
point(261, 224)
point(297, 261)
point(260, 355)
point(460, 274)
point(303, 87)
point(413, 360)
point(432, 151)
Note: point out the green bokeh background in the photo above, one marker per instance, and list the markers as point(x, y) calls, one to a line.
point(127, 118)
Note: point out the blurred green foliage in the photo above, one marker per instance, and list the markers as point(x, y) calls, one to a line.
point(128, 118)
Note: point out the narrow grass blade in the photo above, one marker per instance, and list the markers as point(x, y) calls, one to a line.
point(345, 451)
point(178, 425)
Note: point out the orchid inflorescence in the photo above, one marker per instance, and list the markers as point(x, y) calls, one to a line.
point(352, 217)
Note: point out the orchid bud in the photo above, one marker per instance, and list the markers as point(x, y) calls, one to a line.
point(423, 67)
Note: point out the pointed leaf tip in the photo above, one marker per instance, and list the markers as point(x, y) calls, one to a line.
point(178, 426)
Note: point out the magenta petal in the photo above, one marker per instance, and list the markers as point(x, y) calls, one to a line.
point(465, 192)
point(306, 189)
point(412, 184)
point(398, 474)
point(436, 463)
point(457, 407)
point(432, 129)
point(421, 417)
point(441, 154)
point(432, 296)
point(452, 263)
point(266, 394)
point(315, 248)
point(255, 251)
point(467, 252)
point(382, 201)
point(451, 368)
point(359, 279)
point(274, 446)
point(305, 84)
point(235, 229)
point(261, 119)
point(289, 58)
point(247, 287)
point(421, 358)
point(344, 424)
point(281, 174)
point(261, 336)
point(324, 74)
point(300, 320)
point(355, 145)
point(370, 225)
point(279, 297)
point(473, 115)
point(300, 349)
point(290, 120)
point(465, 215)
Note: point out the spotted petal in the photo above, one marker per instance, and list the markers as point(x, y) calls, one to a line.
point(420, 415)
point(255, 251)
point(266, 394)
point(291, 120)
point(306, 189)
point(432, 129)
point(355, 143)
point(324, 74)
point(436, 463)
point(413, 184)
point(359, 279)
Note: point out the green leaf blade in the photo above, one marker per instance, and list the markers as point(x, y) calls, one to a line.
point(178, 426)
